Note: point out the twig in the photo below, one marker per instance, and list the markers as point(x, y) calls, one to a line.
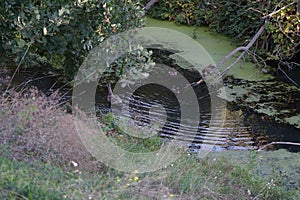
point(244, 49)
point(250, 44)
point(288, 76)
point(273, 143)
point(256, 57)
point(18, 67)
point(17, 194)
point(277, 11)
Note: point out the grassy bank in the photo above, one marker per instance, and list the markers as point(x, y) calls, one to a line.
point(187, 178)
point(43, 158)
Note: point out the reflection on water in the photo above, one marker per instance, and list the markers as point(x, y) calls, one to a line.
point(241, 131)
point(154, 105)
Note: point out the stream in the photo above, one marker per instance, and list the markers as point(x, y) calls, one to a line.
point(242, 130)
point(244, 127)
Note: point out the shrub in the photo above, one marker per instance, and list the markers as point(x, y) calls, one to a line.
point(62, 32)
point(241, 20)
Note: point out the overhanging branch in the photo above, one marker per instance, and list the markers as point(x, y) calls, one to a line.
point(149, 4)
point(244, 49)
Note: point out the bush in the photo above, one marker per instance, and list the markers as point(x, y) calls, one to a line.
point(180, 11)
point(62, 31)
point(241, 20)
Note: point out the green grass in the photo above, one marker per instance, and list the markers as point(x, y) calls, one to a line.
point(38, 180)
point(127, 142)
point(27, 181)
point(187, 178)
point(29, 168)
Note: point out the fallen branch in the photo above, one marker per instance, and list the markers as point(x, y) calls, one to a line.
point(244, 49)
point(250, 44)
point(274, 143)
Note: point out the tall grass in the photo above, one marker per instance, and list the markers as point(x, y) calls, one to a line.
point(42, 157)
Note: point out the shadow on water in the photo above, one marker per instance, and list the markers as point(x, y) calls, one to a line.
point(243, 129)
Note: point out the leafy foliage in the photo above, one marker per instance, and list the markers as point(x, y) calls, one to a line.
point(241, 19)
point(284, 32)
point(180, 11)
point(134, 66)
point(63, 32)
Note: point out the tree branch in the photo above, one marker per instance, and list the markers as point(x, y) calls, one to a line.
point(282, 143)
point(149, 4)
point(277, 11)
point(244, 49)
point(287, 76)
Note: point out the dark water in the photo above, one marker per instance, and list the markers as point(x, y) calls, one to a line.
point(242, 130)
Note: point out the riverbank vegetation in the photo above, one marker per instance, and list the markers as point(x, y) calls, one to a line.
point(59, 34)
point(277, 45)
point(41, 155)
point(38, 161)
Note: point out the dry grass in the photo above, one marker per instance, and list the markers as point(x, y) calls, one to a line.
point(33, 127)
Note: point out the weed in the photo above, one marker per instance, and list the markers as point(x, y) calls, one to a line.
point(41, 157)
